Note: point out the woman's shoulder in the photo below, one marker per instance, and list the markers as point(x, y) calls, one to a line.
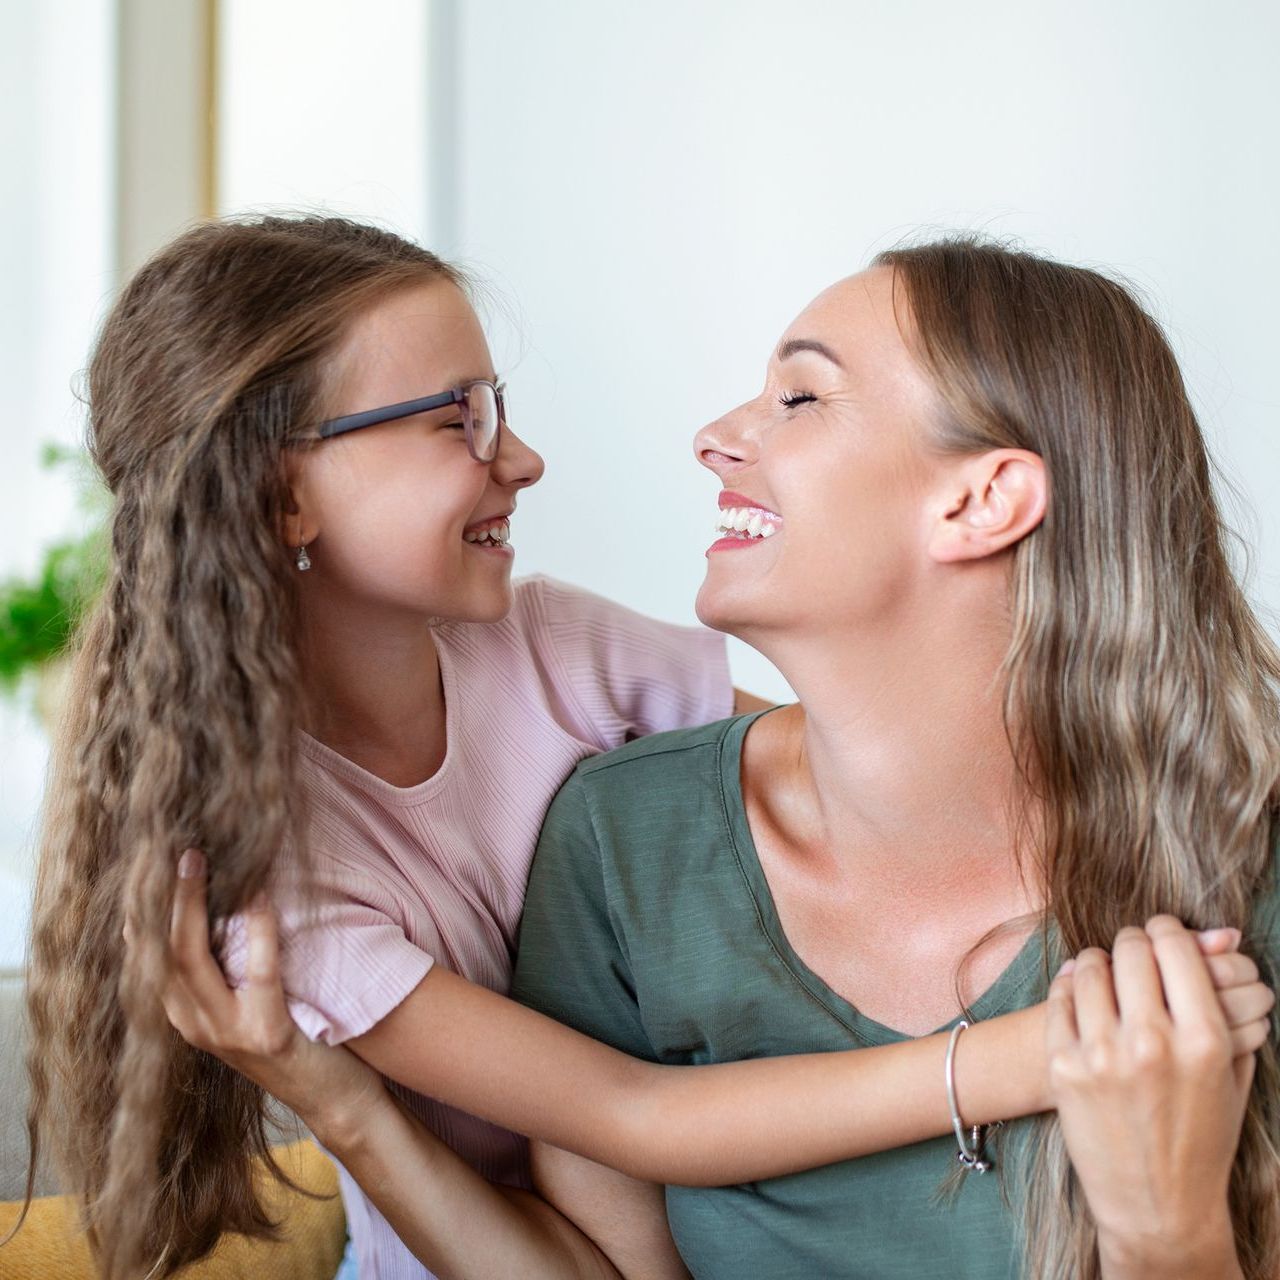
point(675, 760)
point(662, 780)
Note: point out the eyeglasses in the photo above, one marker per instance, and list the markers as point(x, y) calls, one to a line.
point(482, 405)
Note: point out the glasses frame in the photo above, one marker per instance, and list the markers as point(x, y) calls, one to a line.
point(408, 408)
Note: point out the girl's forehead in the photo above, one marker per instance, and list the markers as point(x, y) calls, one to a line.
point(426, 337)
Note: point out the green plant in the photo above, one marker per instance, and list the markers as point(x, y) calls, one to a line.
point(39, 615)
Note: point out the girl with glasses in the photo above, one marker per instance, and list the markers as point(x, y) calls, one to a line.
point(311, 663)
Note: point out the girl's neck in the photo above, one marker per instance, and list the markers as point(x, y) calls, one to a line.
point(374, 689)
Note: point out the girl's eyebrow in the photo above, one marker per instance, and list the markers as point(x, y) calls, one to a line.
point(793, 346)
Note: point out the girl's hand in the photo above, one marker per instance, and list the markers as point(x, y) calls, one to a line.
point(1150, 1069)
point(250, 1029)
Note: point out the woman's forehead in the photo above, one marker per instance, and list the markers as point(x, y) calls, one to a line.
point(858, 319)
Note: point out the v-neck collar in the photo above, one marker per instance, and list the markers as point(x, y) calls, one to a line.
point(1014, 988)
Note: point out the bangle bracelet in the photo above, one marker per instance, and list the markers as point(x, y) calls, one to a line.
point(971, 1155)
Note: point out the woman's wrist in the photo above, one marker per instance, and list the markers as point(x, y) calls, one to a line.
point(1206, 1252)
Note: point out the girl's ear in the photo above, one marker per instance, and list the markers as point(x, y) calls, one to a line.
point(298, 525)
point(994, 500)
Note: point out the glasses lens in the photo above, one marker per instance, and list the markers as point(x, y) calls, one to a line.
point(485, 419)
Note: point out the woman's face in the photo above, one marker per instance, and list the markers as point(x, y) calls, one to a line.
point(394, 509)
point(829, 468)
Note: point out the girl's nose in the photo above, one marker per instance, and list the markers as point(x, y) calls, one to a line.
point(516, 465)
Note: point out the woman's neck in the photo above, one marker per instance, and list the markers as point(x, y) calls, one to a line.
point(897, 754)
point(374, 688)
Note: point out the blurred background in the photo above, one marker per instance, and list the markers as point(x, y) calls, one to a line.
point(647, 193)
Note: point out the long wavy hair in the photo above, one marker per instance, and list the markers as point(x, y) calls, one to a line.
point(182, 713)
point(1141, 695)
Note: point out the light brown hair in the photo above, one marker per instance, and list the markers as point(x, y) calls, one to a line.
point(1141, 697)
point(183, 710)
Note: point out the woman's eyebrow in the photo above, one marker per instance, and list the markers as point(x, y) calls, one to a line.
point(794, 345)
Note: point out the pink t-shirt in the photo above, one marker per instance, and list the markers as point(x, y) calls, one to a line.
point(408, 877)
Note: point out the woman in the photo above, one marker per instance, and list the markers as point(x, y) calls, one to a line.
point(1034, 707)
point(312, 661)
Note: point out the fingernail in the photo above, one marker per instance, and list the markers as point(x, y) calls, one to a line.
point(1208, 935)
point(1067, 966)
point(190, 865)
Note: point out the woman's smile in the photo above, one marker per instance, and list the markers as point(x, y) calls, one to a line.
point(743, 522)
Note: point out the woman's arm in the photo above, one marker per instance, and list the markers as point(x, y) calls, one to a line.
point(1151, 1093)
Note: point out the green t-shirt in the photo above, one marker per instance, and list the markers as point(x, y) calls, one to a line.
point(649, 925)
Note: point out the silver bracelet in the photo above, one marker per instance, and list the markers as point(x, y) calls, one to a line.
point(971, 1155)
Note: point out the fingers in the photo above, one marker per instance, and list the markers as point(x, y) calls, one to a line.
point(1250, 1037)
point(1242, 1005)
point(1061, 1032)
point(1094, 995)
point(1188, 990)
point(1213, 942)
point(189, 923)
point(1233, 970)
point(193, 962)
point(264, 996)
point(1137, 977)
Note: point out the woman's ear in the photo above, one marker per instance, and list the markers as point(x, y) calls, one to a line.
point(993, 501)
point(298, 525)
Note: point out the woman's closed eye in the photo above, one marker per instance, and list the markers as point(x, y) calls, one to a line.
point(791, 399)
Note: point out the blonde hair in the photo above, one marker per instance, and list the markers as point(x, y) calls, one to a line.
point(1142, 690)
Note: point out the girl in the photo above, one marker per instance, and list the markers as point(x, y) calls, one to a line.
point(310, 662)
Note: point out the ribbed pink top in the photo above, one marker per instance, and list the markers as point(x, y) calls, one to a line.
point(435, 873)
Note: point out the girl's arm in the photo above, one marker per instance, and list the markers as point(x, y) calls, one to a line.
point(478, 1051)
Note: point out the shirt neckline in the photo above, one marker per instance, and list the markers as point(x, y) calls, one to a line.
point(370, 783)
point(1010, 990)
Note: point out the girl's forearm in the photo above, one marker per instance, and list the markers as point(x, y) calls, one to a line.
point(743, 1121)
point(704, 1125)
point(454, 1221)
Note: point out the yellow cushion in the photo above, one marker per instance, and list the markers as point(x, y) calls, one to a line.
point(51, 1246)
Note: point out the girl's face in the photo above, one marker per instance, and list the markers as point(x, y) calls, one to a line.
point(829, 470)
point(394, 509)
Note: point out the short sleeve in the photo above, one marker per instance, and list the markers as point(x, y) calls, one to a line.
point(345, 961)
point(570, 963)
point(625, 674)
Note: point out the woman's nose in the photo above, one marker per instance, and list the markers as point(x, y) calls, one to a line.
point(517, 465)
point(721, 445)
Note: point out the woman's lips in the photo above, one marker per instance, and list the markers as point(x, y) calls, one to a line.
point(743, 522)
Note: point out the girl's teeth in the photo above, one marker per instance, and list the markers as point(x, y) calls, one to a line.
point(496, 535)
point(754, 525)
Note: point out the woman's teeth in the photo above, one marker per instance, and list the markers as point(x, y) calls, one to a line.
point(748, 522)
point(495, 535)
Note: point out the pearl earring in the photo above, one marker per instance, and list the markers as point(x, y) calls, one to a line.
point(303, 560)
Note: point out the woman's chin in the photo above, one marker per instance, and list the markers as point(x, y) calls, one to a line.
point(722, 608)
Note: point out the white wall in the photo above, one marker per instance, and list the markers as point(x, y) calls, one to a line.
point(323, 104)
point(661, 187)
point(56, 62)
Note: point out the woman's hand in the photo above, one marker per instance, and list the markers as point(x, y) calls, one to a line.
point(1150, 1069)
point(250, 1029)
